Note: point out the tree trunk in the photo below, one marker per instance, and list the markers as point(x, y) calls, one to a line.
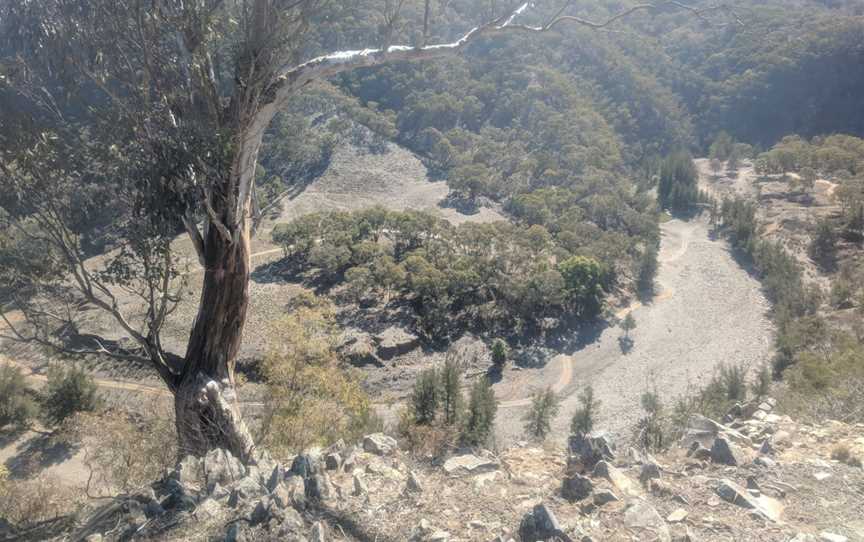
point(207, 412)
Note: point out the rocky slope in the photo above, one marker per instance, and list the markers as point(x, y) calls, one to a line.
point(759, 476)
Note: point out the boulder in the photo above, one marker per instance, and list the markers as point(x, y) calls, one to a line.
point(319, 532)
point(619, 480)
point(189, 473)
point(737, 495)
point(585, 451)
point(541, 524)
point(277, 476)
point(413, 483)
point(648, 472)
point(469, 464)
point(604, 496)
point(703, 431)
point(677, 516)
point(576, 487)
point(643, 516)
point(221, 467)
point(359, 485)
point(379, 444)
point(395, 341)
point(826, 536)
point(333, 461)
point(725, 453)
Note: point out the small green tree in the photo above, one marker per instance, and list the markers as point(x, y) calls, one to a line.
point(628, 324)
point(69, 390)
point(545, 405)
point(482, 408)
point(762, 385)
point(716, 166)
point(16, 405)
point(585, 415)
point(424, 397)
point(650, 431)
point(499, 352)
point(648, 265)
point(452, 401)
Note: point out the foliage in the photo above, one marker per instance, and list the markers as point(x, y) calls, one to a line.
point(761, 386)
point(545, 405)
point(586, 414)
point(124, 453)
point(312, 398)
point(678, 190)
point(28, 502)
point(628, 324)
point(480, 418)
point(452, 401)
point(651, 430)
point(67, 392)
point(500, 351)
point(823, 245)
point(17, 406)
point(425, 397)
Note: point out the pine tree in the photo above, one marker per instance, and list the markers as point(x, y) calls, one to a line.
point(538, 420)
point(583, 419)
point(480, 419)
point(424, 397)
point(452, 401)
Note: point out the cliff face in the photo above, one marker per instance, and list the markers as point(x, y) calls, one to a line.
point(760, 476)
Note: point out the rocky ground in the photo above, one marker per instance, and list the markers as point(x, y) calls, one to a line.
point(759, 477)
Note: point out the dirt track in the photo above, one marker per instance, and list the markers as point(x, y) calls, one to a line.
point(708, 311)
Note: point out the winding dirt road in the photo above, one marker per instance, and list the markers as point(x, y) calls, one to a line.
point(709, 311)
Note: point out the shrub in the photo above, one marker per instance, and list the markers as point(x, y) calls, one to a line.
point(28, 502)
point(545, 405)
point(734, 382)
point(841, 453)
point(16, 405)
point(499, 352)
point(762, 385)
point(68, 391)
point(312, 399)
point(425, 398)
point(650, 431)
point(480, 419)
point(583, 419)
point(124, 453)
point(452, 401)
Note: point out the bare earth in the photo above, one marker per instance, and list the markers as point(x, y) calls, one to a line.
point(708, 311)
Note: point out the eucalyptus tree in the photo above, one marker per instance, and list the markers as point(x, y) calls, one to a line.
point(147, 117)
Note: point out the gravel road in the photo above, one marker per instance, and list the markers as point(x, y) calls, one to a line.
point(708, 311)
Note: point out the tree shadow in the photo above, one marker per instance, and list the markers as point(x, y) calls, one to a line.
point(41, 451)
point(626, 344)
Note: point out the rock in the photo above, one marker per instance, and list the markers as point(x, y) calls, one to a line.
point(469, 464)
point(359, 349)
point(208, 508)
point(234, 534)
point(764, 505)
point(319, 532)
point(541, 524)
point(296, 489)
point(703, 430)
point(677, 516)
point(831, 537)
point(659, 488)
point(765, 461)
point(585, 451)
point(604, 496)
point(767, 448)
point(759, 415)
point(261, 512)
point(725, 453)
point(641, 515)
point(576, 487)
point(648, 472)
point(333, 461)
point(277, 476)
point(618, 479)
point(822, 476)
point(379, 444)
point(221, 467)
point(439, 536)
point(308, 468)
point(413, 483)
point(190, 474)
point(245, 489)
point(95, 537)
point(348, 462)
point(359, 485)
point(395, 341)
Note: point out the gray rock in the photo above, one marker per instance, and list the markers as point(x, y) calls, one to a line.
point(220, 467)
point(827, 536)
point(767, 448)
point(379, 444)
point(413, 483)
point(648, 472)
point(261, 512)
point(359, 485)
point(765, 461)
point(541, 524)
point(619, 480)
point(641, 515)
point(296, 488)
point(333, 461)
point(725, 453)
point(189, 473)
point(469, 464)
point(349, 462)
point(585, 451)
point(604, 496)
point(277, 476)
point(576, 487)
point(319, 532)
point(395, 341)
point(737, 495)
point(95, 537)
